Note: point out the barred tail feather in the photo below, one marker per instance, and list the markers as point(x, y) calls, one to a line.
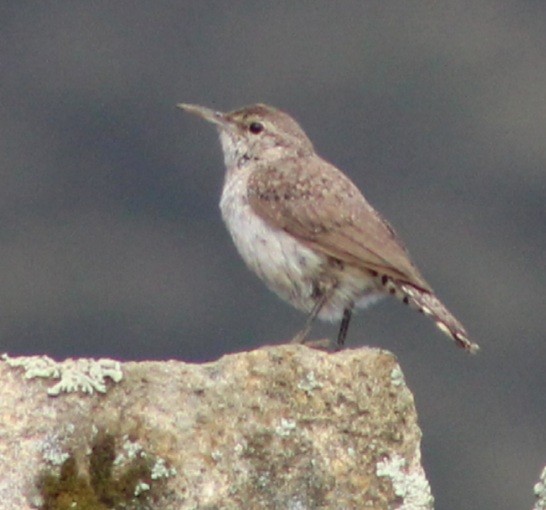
point(431, 306)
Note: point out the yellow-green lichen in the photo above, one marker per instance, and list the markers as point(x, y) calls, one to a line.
point(68, 490)
point(102, 483)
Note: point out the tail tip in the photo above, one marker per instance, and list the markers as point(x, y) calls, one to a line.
point(460, 338)
point(469, 346)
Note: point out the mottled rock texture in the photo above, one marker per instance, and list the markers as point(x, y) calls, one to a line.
point(283, 427)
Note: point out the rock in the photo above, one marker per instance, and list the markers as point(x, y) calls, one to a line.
point(540, 492)
point(284, 427)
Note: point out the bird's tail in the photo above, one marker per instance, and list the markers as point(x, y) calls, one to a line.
point(428, 304)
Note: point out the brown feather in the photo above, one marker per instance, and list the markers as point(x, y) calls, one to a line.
point(316, 203)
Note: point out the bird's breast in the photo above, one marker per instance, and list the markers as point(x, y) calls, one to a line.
point(282, 262)
point(285, 264)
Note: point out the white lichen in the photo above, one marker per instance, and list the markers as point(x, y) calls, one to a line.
point(53, 454)
point(83, 375)
point(397, 377)
point(540, 492)
point(296, 504)
point(130, 450)
point(52, 447)
point(161, 471)
point(216, 455)
point(309, 383)
point(140, 488)
point(408, 484)
point(263, 480)
point(285, 428)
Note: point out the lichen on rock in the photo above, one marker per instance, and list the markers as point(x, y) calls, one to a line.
point(75, 375)
point(279, 427)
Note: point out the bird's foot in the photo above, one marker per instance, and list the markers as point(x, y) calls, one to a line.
point(323, 344)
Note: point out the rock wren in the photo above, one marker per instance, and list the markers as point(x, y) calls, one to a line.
point(306, 230)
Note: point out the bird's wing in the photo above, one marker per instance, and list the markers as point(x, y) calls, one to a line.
point(316, 203)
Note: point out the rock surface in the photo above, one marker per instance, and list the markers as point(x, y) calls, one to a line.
point(540, 492)
point(282, 427)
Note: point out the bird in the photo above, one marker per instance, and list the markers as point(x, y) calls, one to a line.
point(307, 231)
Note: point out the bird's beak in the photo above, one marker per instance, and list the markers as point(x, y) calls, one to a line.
point(209, 115)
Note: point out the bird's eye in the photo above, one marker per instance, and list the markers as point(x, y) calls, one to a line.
point(256, 127)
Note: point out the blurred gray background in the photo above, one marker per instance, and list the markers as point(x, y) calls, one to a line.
point(111, 241)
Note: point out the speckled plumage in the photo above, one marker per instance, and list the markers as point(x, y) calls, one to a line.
point(305, 229)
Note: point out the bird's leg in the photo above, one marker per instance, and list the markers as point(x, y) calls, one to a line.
point(344, 327)
point(301, 337)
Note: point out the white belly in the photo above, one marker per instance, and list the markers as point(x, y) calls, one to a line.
point(288, 268)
